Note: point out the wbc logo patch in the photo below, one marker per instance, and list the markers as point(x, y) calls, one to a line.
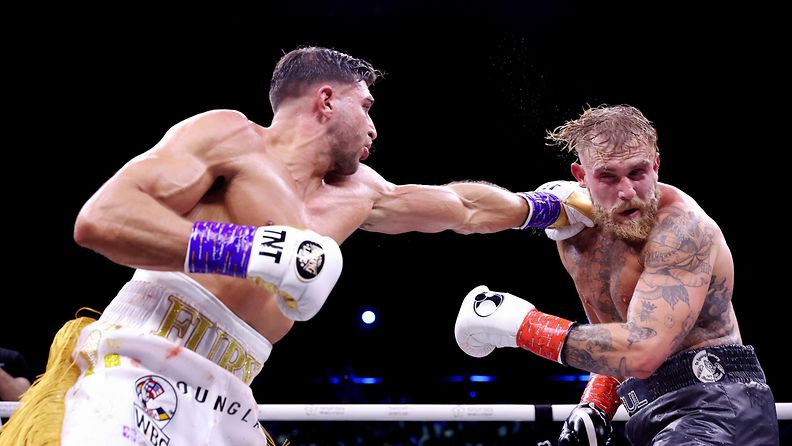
point(154, 409)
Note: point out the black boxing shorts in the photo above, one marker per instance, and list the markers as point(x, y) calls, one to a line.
point(713, 395)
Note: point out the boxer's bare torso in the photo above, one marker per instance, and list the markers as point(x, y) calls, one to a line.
point(609, 275)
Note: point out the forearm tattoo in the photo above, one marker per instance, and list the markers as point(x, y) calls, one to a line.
point(676, 259)
point(586, 348)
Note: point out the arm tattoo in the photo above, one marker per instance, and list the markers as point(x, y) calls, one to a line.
point(585, 346)
point(682, 334)
point(681, 241)
point(592, 348)
point(716, 319)
point(674, 294)
point(637, 333)
point(677, 256)
point(715, 312)
point(594, 338)
point(584, 360)
point(646, 311)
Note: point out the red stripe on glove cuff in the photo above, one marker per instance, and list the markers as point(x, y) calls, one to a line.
point(543, 334)
point(601, 390)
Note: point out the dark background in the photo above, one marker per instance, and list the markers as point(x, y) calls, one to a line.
point(470, 90)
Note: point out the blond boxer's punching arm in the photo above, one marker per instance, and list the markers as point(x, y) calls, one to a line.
point(678, 264)
point(669, 295)
point(135, 218)
point(466, 207)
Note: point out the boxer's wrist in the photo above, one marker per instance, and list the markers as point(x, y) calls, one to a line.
point(543, 209)
point(299, 266)
point(544, 334)
point(601, 391)
point(219, 248)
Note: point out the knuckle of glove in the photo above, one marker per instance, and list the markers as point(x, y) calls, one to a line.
point(470, 330)
point(560, 188)
point(583, 423)
point(488, 320)
point(476, 351)
point(471, 341)
point(568, 438)
point(316, 264)
point(577, 208)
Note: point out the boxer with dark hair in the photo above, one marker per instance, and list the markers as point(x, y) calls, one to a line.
point(234, 229)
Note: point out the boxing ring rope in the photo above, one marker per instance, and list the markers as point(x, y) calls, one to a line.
point(416, 412)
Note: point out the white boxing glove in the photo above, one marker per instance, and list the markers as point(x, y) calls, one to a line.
point(300, 266)
point(489, 319)
point(576, 208)
point(308, 268)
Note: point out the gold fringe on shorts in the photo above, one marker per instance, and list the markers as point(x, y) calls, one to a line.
point(39, 417)
point(271, 441)
point(38, 420)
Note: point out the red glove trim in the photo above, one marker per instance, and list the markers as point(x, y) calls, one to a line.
point(601, 390)
point(543, 334)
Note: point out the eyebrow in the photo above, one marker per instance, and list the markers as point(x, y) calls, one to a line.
point(638, 165)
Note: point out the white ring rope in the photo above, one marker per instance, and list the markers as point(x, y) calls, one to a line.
point(413, 412)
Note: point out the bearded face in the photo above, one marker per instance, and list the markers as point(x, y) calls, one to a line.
point(637, 229)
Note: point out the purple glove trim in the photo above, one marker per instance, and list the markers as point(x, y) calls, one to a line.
point(220, 248)
point(545, 209)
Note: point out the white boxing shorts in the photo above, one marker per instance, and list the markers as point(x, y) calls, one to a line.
point(166, 364)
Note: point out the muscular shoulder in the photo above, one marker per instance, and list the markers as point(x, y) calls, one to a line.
point(683, 235)
point(219, 117)
point(679, 207)
point(208, 130)
point(367, 179)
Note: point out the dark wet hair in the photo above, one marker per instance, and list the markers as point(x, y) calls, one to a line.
point(304, 67)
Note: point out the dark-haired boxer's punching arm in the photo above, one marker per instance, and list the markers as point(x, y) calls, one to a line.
point(470, 207)
point(464, 207)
